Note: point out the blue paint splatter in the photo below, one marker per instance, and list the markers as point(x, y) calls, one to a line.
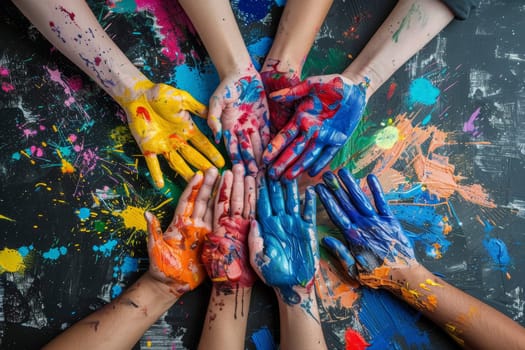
point(200, 83)
point(263, 339)
point(498, 253)
point(116, 290)
point(390, 322)
point(16, 156)
point(252, 11)
point(55, 253)
point(422, 91)
point(84, 213)
point(129, 265)
point(426, 120)
point(23, 251)
point(107, 248)
point(124, 6)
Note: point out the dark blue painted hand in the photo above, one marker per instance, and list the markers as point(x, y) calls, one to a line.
point(375, 237)
point(328, 110)
point(283, 245)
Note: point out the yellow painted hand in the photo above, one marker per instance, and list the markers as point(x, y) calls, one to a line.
point(159, 119)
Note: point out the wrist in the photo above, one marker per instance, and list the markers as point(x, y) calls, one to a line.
point(132, 90)
point(163, 292)
point(285, 64)
point(367, 75)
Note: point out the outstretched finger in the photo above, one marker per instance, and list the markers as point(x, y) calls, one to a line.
point(256, 247)
point(343, 255)
point(276, 197)
point(247, 153)
point(250, 197)
point(152, 162)
point(326, 156)
point(201, 142)
point(216, 106)
point(222, 198)
point(189, 195)
point(356, 195)
point(292, 201)
point(264, 208)
point(232, 147)
point(332, 182)
point(193, 157)
point(332, 207)
point(292, 93)
point(237, 192)
point(189, 103)
point(379, 199)
point(202, 202)
point(288, 156)
point(178, 164)
point(310, 206)
point(283, 138)
point(307, 158)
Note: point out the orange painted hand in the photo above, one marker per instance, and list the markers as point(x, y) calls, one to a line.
point(159, 119)
point(225, 251)
point(175, 255)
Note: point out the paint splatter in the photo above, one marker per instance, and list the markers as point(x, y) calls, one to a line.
point(422, 91)
point(11, 261)
point(55, 253)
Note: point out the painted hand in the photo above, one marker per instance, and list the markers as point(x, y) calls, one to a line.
point(239, 113)
point(174, 255)
point(273, 80)
point(327, 113)
point(375, 237)
point(225, 251)
point(283, 245)
point(160, 121)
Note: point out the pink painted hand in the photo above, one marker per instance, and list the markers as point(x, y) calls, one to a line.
point(239, 112)
point(175, 255)
point(225, 252)
point(327, 112)
point(159, 119)
point(274, 80)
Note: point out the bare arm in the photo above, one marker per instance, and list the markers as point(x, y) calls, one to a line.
point(120, 324)
point(409, 27)
point(472, 323)
point(73, 29)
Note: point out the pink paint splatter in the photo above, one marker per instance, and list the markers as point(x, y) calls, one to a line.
point(469, 126)
point(75, 83)
point(54, 75)
point(36, 151)
point(4, 72)
point(97, 61)
point(7, 87)
point(167, 13)
point(29, 132)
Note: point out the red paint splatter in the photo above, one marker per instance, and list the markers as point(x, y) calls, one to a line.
point(51, 24)
point(97, 61)
point(7, 87)
point(391, 90)
point(354, 340)
point(70, 14)
point(141, 111)
point(75, 83)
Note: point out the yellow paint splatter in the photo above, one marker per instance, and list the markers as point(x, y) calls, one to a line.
point(67, 167)
point(134, 218)
point(387, 137)
point(11, 261)
point(2, 217)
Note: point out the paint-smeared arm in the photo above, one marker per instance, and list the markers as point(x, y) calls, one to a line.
point(175, 268)
point(225, 256)
point(379, 255)
point(295, 35)
point(409, 27)
point(284, 253)
point(238, 110)
point(158, 114)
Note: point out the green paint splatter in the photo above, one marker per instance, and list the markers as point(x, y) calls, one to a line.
point(387, 137)
point(325, 62)
point(405, 23)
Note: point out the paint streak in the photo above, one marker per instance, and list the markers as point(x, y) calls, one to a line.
point(354, 340)
point(263, 339)
point(11, 261)
point(3, 217)
point(469, 126)
point(498, 252)
point(414, 10)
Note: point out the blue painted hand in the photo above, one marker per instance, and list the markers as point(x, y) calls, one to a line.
point(327, 112)
point(283, 245)
point(375, 237)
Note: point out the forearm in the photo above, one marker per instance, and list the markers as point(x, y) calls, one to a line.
point(410, 26)
point(300, 324)
point(72, 28)
point(296, 33)
point(120, 324)
point(220, 34)
point(470, 322)
point(226, 319)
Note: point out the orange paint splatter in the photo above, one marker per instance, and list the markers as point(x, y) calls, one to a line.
point(334, 290)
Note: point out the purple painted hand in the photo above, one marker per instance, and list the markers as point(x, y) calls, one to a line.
point(377, 243)
point(274, 80)
point(239, 111)
point(328, 110)
point(225, 251)
point(283, 245)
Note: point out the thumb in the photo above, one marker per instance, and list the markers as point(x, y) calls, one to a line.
point(342, 253)
point(255, 245)
point(292, 93)
point(214, 116)
point(189, 103)
point(154, 229)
